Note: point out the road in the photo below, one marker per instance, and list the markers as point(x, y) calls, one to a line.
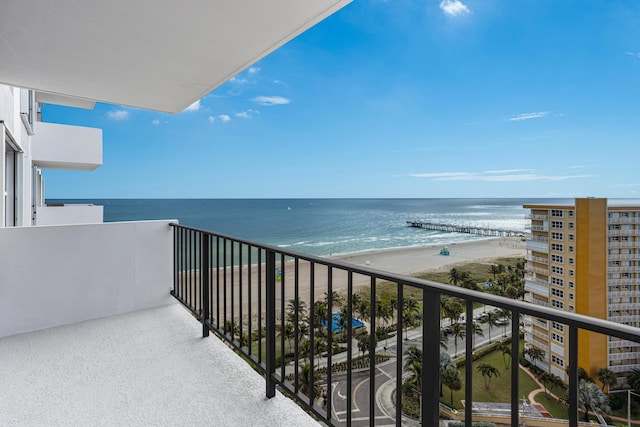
point(385, 372)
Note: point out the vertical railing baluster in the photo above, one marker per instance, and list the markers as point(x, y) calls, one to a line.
point(515, 366)
point(249, 302)
point(372, 353)
point(430, 358)
point(573, 376)
point(260, 334)
point(218, 282)
point(468, 363)
point(312, 290)
point(349, 345)
point(399, 355)
point(225, 263)
point(282, 318)
point(330, 336)
point(233, 285)
point(240, 270)
point(296, 319)
point(271, 323)
point(204, 276)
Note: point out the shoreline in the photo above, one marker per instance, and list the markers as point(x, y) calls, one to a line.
point(417, 259)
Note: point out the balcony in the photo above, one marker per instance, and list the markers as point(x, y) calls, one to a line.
point(69, 214)
point(536, 288)
point(537, 246)
point(57, 146)
point(110, 345)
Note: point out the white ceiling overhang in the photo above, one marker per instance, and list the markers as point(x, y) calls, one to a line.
point(153, 54)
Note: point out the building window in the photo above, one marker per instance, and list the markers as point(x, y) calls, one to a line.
point(557, 270)
point(557, 282)
point(570, 260)
point(571, 297)
point(557, 304)
point(570, 214)
point(557, 258)
point(557, 213)
point(571, 237)
point(571, 285)
point(571, 273)
point(558, 338)
point(557, 247)
point(557, 224)
point(571, 309)
point(570, 226)
point(558, 361)
point(557, 236)
point(557, 326)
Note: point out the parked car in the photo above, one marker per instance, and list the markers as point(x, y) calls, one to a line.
point(446, 330)
point(482, 317)
point(502, 321)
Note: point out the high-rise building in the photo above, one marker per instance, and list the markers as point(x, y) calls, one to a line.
point(584, 258)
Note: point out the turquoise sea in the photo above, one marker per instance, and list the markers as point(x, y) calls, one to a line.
point(325, 226)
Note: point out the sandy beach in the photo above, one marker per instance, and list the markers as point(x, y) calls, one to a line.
point(428, 258)
point(406, 261)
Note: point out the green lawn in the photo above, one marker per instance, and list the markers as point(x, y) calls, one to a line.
point(499, 389)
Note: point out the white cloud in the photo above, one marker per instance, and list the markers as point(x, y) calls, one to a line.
point(155, 122)
point(247, 114)
point(253, 70)
point(527, 116)
point(118, 114)
point(211, 119)
point(224, 118)
point(454, 7)
point(636, 54)
point(238, 80)
point(271, 100)
point(507, 175)
point(193, 107)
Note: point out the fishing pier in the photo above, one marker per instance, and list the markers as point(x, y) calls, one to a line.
point(482, 231)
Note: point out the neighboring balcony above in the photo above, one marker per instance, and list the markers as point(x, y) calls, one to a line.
point(69, 214)
point(537, 246)
point(56, 146)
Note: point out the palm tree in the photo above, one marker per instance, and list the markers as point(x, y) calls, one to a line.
point(443, 341)
point(495, 270)
point(336, 299)
point(534, 354)
point(492, 320)
point(363, 343)
point(477, 330)
point(413, 364)
point(320, 311)
point(546, 379)
point(607, 377)
point(458, 331)
point(503, 313)
point(453, 309)
point(487, 371)
point(456, 276)
point(590, 397)
point(363, 309)
point(307, 377)
point(451, 378)
point(633, 379)
point(296, 306)
point(289, 332)
point(445, 362)
point(506, 355)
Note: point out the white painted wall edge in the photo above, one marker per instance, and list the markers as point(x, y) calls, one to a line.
point(57, 275)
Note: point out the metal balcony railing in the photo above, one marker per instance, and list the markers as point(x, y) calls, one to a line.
point(251, 294)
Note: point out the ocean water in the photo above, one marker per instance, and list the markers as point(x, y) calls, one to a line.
point(326, 226)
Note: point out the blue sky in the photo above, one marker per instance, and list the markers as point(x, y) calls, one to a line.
point(398, 98)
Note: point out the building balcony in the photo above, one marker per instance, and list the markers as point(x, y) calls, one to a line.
point(56, 146)
point(540, 260)
point(536, 288)
point(531, 267)
point(93, 330)
point(623, 220)
point(623, 232)
point(69, 214)
point(623, 256)
point(537, 246)
point(623, 244)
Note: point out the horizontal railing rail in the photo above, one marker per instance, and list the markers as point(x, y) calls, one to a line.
point(284, 311)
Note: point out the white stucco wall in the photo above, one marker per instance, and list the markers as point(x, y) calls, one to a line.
point(69, 214)
point(58, 275)
point(56, 146)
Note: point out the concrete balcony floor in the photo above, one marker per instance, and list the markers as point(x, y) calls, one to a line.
point(146, 368)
